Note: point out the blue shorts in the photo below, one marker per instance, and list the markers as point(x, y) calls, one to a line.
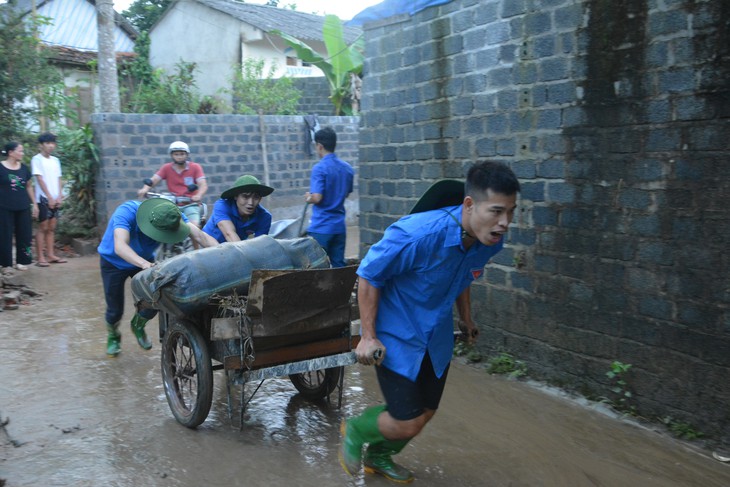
point(406, 399)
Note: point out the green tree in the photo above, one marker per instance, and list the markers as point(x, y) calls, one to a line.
point(341, 63)
point(140, 68)
point(138, 72)
point(252, 92)
point(168, 93)
point(144, 13)
point(146, 90)
point(25, 74)
point(80, 159)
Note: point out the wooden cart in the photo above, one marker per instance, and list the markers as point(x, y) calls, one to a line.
point(293, 323)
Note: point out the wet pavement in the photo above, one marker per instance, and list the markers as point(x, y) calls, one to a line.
point(78, 418)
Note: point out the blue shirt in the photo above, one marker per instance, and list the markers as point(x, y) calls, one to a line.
point(225, 209)
point(332, 178)
point(125, 216)
point(420, 267)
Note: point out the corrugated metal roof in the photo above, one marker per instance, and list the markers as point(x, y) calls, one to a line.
point(297, 24)
point(75, 25)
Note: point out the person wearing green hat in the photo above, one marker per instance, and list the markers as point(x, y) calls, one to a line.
point(135, 231)
point(408, 284)
point(238, 214)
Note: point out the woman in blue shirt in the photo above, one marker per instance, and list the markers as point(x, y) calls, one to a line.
point(238, 214)
point(409, 282)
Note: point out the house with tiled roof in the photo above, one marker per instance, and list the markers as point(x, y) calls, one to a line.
point(217, 35)
point(71, 34)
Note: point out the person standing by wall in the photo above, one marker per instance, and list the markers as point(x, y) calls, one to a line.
point(330, 184)
point(17, 208)
point(408, 284)
point(133, 233)
point(238, 214)
point(49, 195)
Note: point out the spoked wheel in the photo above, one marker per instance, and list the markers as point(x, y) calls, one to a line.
point(187, 373)
point(317, 384)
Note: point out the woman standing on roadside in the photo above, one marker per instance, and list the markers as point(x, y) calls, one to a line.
point(17, 204)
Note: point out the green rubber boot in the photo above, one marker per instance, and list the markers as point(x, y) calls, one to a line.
point(356, 432)
point(113, 340)
point(378, 459)
point(138, 324)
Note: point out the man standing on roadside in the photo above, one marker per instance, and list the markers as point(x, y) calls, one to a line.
point(408, 285)
point(49, 195)
point(330, 184)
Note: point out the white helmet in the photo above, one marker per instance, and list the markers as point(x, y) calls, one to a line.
point(178, 145)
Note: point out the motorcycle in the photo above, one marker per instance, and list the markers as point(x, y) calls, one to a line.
point(165, 251)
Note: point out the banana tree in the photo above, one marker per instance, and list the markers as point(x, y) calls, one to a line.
point(341, 63)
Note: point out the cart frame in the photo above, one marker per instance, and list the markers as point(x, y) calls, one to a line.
point(295, 322)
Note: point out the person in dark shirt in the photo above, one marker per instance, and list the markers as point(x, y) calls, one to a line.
point(17, 208)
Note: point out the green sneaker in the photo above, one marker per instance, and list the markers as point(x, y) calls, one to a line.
point(113, 340)
point(378, 459)
point(138, 324)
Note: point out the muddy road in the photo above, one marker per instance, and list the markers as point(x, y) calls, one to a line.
point(78, 418)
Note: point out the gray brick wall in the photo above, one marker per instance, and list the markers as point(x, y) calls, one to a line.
point(134, 146)
point(615, 117)
point(315, 96)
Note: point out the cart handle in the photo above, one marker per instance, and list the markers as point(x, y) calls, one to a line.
point(378, 355)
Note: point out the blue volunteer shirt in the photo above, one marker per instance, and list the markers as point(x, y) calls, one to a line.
point(420, 268)
point(332, 178)
point(225, 209)
point(125, 216)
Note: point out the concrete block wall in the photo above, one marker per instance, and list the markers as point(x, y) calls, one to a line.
point(614, 115)
point(134, 146)
point(315, 96)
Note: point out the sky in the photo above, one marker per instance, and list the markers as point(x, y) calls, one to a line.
point(344, 9)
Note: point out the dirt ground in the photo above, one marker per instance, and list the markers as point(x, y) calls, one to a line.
point(78, 418)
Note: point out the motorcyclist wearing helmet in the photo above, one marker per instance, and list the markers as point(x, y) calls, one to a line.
point(180, 175)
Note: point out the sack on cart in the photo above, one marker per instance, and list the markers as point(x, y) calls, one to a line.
point(185, 283)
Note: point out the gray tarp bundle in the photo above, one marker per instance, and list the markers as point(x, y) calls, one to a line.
point(185, 283)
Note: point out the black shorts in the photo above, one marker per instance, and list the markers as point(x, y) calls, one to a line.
point(44, 212)
point(407, 399)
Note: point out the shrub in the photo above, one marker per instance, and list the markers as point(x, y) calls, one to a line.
point(80, 161)
point(168, 93)
point(253, 93)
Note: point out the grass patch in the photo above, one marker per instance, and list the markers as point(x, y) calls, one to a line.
point(681, 429)
point(505, 364)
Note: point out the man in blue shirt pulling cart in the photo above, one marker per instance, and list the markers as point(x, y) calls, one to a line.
point(408, 284)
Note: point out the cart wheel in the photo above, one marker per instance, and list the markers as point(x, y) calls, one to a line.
point(186, 372)
point(317, 384)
